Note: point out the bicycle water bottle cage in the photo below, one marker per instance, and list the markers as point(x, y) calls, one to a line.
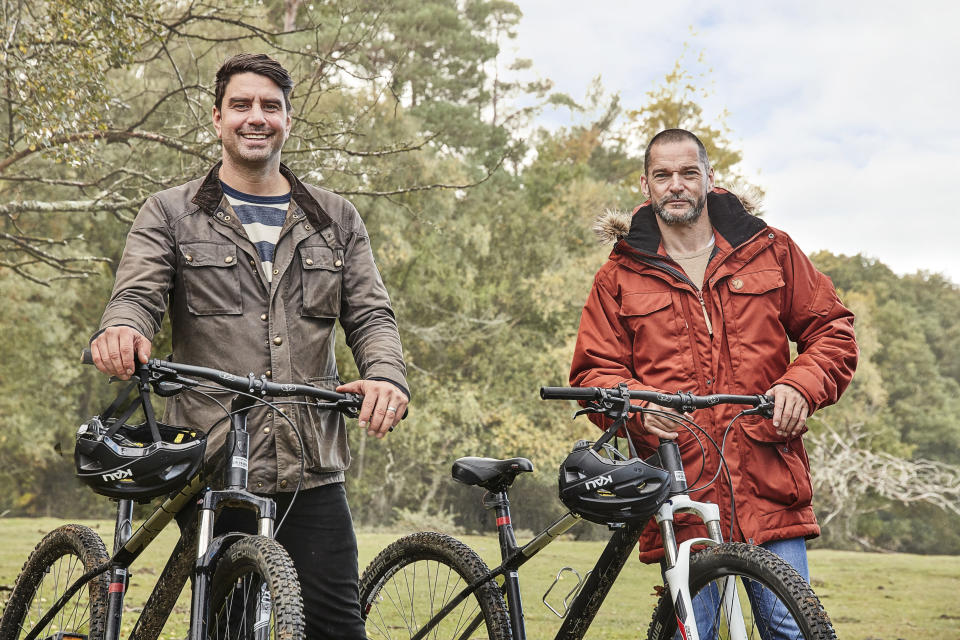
point(609, 490)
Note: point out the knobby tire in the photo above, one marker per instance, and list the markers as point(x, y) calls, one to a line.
point(415, 577)
point(236, 609)
point(62, 556)
point(754, 564)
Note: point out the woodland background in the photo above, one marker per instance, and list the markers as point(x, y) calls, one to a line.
point(481, 224)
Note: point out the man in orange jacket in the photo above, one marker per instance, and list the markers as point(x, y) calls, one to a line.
point(701, 296)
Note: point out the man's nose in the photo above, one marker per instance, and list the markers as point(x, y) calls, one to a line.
point(676, 184)
point(255, 115)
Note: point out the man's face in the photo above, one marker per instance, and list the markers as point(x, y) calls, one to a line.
point(252, 121)
point(676, 182)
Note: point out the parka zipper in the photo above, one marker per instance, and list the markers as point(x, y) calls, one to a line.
point(706, 316)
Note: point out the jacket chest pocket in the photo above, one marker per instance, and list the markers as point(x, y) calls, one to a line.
point(651, 321)
point(756, 299)
point(211, 278)
point(322, 269)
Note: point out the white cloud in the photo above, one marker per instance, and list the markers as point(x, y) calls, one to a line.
point(845, 111)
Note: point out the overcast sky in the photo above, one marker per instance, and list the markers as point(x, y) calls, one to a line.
point(846, 112)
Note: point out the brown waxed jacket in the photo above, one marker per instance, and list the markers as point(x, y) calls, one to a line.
point(646, 325)
point(188, 251)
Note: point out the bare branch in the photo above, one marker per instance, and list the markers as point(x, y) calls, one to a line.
point(109, 136)
point(66, 206)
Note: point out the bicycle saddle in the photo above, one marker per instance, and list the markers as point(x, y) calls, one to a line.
point(490, 473)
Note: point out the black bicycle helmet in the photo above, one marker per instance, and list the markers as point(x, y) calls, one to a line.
point(606, 489)
point(128, 462)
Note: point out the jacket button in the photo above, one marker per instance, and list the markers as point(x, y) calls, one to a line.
point(309, 261)
point(338, 263)
point(276, 271)
point(228, 259)
point(226, 218)
point(253, 264)
point(188, 258)
point(268, 373)
point(266, 429)
point(263, 317)
point(278, 341)
point(770, 236)
point(259, 484)
point(283, 484)
point(307, 227)
point(737, 283)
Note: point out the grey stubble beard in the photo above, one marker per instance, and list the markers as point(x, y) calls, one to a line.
point(691, 216)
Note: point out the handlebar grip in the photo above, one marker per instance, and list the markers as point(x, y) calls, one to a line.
point(568, 393)
point(86, 357)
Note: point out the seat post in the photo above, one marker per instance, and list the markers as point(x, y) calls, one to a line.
point(500, 503)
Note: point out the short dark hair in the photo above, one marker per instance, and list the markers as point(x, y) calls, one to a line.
point(258, 63)
point(676, 135)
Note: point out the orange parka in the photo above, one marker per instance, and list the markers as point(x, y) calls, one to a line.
point(647, 325)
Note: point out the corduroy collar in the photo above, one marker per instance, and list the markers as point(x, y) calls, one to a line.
point(210, 194)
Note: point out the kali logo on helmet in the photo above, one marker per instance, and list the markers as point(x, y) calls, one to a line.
point(118, 475)
point(599, 481)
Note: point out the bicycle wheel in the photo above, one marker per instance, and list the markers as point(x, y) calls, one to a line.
point(255, 589)
point(764, 584)
point(415, 577)
point(64, 554)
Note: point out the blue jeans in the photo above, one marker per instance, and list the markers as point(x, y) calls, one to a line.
point(773, 620)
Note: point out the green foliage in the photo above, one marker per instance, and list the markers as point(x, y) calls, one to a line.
point(481, 231)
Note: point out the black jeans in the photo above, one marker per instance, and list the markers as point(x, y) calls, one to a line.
point(318, 535)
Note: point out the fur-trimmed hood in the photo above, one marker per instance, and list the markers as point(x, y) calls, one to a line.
point(613, 225)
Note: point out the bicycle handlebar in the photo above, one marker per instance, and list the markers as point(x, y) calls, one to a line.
point(681, 400)
point(164, 371)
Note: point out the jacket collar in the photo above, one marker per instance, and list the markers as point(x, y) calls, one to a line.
point(727, 215)
point(210, 194)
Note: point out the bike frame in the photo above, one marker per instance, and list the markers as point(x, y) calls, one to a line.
point(596, 586)
point(129, 544)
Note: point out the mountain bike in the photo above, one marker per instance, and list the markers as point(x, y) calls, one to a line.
point(244, 586)
point(430, 585)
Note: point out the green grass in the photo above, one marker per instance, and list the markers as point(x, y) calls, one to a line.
point(868, 595)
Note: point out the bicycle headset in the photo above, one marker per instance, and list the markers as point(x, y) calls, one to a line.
point(136, 462)
point(608, 489)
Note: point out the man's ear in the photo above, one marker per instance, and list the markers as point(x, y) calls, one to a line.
point(216, 120)
point(644, 187)
point(710, 179)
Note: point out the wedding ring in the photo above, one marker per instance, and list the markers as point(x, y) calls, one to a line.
point(391, 409)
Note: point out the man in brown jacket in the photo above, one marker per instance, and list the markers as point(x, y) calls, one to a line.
point(256, 268)
point(700, 296)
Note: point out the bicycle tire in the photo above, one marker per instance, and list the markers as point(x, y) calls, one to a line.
point(62, 556)
point(756, 564)
point(416, 576)
point(248, 565)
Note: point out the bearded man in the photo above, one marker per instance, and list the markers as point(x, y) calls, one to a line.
point(699, 295)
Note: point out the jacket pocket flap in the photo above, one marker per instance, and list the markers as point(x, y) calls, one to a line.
point(209, 254)
point(760, 429)
point(641, 304)
point(320, 257)
point(757, 282)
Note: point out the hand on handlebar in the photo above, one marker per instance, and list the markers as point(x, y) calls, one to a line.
point(383, 405)
point(790, 410)
point(116, 349)
point(660, 426)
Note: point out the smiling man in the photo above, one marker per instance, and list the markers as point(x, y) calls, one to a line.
point(256, 268)
point(699, 295)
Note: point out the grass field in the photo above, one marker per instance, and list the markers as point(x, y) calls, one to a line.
point(869, 596)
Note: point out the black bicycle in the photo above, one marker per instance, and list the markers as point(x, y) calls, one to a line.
point(430, 585)
point(244, 586)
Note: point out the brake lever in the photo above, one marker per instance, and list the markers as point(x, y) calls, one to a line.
point(764, 408)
